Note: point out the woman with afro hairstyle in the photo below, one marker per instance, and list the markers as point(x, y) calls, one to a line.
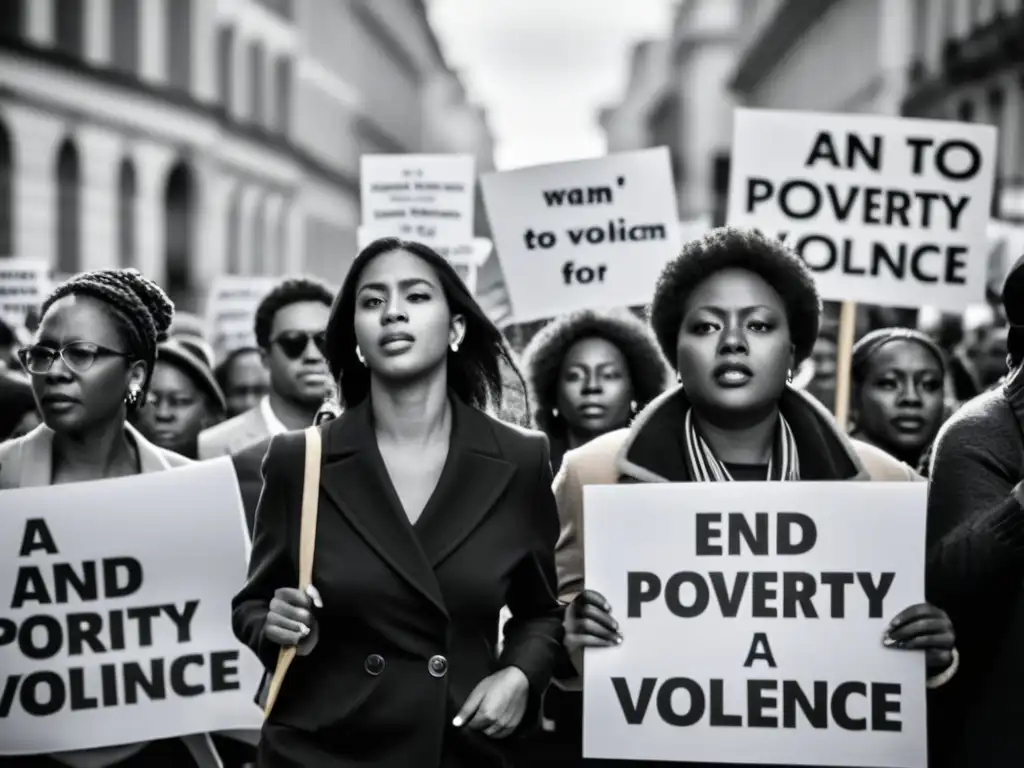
point(590, 373)
point(90, 364)
point(735, 313)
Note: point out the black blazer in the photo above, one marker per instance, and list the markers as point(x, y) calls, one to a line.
point(248, 471)
point(410, 618)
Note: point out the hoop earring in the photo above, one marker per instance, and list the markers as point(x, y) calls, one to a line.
point(131, 399)
point(359, 355)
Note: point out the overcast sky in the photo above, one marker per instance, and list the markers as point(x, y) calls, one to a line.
point(543, 68)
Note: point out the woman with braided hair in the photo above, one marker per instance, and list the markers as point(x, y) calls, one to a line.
point(90, 365)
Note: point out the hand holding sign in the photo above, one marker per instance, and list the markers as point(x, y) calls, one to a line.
point(923, 627)
point(290, 620)
point(589, 623)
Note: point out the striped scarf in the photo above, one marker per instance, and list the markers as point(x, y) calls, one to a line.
point(784, 463)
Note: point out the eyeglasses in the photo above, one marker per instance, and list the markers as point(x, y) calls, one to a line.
point(295, 343)
point(78, 356)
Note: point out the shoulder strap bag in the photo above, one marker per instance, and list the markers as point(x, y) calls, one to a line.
point(307, 540)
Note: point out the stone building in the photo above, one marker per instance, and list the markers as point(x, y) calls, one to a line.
point(191, 138)
point(678, 97)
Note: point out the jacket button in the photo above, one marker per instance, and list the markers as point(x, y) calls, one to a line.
point(438, 666)
point(374, 664)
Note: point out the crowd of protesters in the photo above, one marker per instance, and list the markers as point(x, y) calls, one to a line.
point(406, 370)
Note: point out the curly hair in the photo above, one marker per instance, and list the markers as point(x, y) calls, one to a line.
point(139, 306)
point(733, 248)
point(290, 291)
point(474, 372)
point(544, 355)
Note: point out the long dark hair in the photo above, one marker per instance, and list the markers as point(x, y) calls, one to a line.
point(474, 372)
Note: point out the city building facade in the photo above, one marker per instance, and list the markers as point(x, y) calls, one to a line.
point(678, 97)
point(193, 138)
point(967, 63)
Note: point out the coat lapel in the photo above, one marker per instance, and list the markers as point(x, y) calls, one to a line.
point(474, 478)
point(355, 481)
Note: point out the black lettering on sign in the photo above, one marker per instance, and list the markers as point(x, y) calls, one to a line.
point(855, 148)
point(819, 708)
point(760, 650)
point(45, 692)
point(757, 594)
point(795, 533)
point(955, 159)
point(642, 587)
point(37, 537)
point(803, 199)
point(927, 263)
point(599, 195)
point(122, 576)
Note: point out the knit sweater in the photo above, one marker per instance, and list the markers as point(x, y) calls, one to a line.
point(976, 573)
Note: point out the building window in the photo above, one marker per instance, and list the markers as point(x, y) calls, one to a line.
point(126, 190)
point(179, 44)
point(6, 193)
point(124, 35)
point(69, 214)
point(283, 94)
point(257, 65)
point(69, 27)
point(226, 66)
point(178, 219)
point(12, 19)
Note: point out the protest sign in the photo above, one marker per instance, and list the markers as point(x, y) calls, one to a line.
point(586, 234)
point(883, 210)
point(427, 198)
point(116, 622)
point(24, 283)
point(231, 309)
point(753, 617)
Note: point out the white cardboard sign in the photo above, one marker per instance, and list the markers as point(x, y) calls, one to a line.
point(427, 198)
point(883, 210)
point(588, 234)
point(752, 617)
point(117, 611)
point(24, 284)
point(231, 310)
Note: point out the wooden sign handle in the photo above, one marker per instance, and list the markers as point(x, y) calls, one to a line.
point(844, 359)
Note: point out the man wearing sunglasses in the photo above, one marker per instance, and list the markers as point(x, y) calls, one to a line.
point(290, 323)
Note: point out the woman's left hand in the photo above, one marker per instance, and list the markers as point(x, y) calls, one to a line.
point(497, 704)
point(923, 627)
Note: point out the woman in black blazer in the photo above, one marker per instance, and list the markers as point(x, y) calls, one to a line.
point(432, 516)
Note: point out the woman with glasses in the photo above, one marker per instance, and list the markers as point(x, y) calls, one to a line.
point(432, 516)
point(90, 365)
